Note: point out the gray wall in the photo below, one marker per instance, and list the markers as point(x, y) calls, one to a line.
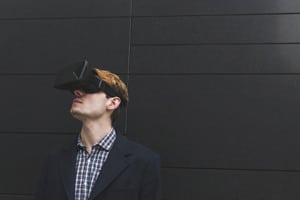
point(214, 89)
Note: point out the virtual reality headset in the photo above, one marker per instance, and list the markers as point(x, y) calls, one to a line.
point(83, 77)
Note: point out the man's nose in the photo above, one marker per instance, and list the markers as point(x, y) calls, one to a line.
point(78, 93)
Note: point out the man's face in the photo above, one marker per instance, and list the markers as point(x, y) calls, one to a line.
point(89, 105)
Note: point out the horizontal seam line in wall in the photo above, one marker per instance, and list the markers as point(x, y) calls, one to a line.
point(148, 16)
point(27, 74)
point(39, 74)
point(215, 43)
point(204, 74)
point(216, 15)
point(38, 133)
point(16, 195)
point(62, 18)
point(169, 73)
point(232, 169)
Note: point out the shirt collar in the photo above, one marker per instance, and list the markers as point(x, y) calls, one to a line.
point(105, 143)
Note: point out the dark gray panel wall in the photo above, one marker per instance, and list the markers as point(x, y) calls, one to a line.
point(217, 29)
point(38, 38)
point(217, 121)
point(227, 59)
point(22, 163)
point(44, 46)
point(16, 197)
point(63, 9)
point(214, 89)
point(229, 184)
point(213, 7)
point(33, 105)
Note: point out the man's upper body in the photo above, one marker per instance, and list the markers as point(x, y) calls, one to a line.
point(131, 172)
point(100, 164)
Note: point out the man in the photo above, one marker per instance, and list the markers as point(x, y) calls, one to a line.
point(101, 164)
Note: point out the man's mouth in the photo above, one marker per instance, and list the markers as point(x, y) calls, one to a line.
point(76, 100)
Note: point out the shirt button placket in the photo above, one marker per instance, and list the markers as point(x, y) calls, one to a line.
point(87, 159)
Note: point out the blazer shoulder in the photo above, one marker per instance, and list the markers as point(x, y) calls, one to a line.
point(56, 152)
point(136, 149)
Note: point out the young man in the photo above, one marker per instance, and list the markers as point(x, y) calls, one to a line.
point(101, 164)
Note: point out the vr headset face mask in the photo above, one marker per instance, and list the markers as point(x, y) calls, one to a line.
point(83, 77)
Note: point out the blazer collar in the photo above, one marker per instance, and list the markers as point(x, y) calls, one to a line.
point(117, 161)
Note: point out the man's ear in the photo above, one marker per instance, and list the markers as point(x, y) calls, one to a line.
point(114, 103)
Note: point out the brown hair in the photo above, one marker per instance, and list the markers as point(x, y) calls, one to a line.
point(114, 81)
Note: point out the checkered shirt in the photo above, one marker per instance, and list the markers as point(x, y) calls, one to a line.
point(88, 166)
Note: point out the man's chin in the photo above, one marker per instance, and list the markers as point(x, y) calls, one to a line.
point(76, 114)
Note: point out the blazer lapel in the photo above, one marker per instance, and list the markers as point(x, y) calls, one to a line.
point(116, 162)
point(67, 169)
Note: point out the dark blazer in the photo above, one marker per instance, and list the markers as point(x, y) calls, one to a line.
point(131, 172)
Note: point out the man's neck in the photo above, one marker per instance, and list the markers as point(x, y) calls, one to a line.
point(93, 131)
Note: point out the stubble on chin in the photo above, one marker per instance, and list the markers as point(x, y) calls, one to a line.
point(76, 114)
